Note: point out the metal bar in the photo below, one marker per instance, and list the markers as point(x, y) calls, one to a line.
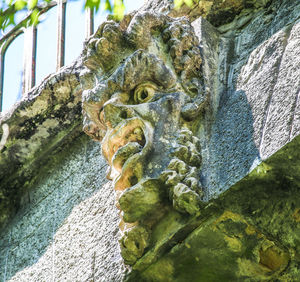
point(61, 23)
point(33, 56)
point(27, 59)
point(22, 23)
point(25, 55)
point(30, 41)
point(3, 48)
point(1, 78)
point(89, 22)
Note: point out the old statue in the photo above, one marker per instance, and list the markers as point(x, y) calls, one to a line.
point(143, 98)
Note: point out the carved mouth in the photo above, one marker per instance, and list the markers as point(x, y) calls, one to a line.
point(124, 153)
point(123, 146)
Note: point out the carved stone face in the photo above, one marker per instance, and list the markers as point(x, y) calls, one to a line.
point(145, 97)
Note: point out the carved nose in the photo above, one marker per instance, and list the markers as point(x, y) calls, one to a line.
point(114, 114)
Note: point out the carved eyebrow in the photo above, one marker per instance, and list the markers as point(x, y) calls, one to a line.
point(141, 67)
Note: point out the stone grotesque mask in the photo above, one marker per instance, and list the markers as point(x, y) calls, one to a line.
point(143, 98)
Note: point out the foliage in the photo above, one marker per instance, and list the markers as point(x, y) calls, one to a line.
point(179, 3)
point(9, 9)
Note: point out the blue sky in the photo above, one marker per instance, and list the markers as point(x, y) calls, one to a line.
point(46, 47)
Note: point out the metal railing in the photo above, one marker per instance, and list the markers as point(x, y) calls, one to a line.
point(30, 43)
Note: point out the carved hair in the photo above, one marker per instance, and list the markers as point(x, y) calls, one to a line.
point(113, 42)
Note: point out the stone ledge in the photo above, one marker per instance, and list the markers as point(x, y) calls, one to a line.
point(33, 130)
point(250, 232)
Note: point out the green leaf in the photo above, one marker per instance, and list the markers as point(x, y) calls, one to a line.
point(34, 17)
point(1, 23)
point(118, 9)
point(11, 19)
point(20, 4)
point(32, 4)
point(178, 3)
point(6, 22)
point(189, 3)
point(107, 6)
point(92, 4)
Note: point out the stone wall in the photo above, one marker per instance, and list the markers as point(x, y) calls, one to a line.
point(66, 228)
point(256, 92)
point(57, 211)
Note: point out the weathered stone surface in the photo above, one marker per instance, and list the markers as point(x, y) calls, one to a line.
point(210, 104)
point(37, 127)
point(250, 233)
point(218, 12)
point(259, 85)
point(66, 228)
point(241, 86)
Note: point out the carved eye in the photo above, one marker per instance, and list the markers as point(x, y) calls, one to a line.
point(144, 93)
